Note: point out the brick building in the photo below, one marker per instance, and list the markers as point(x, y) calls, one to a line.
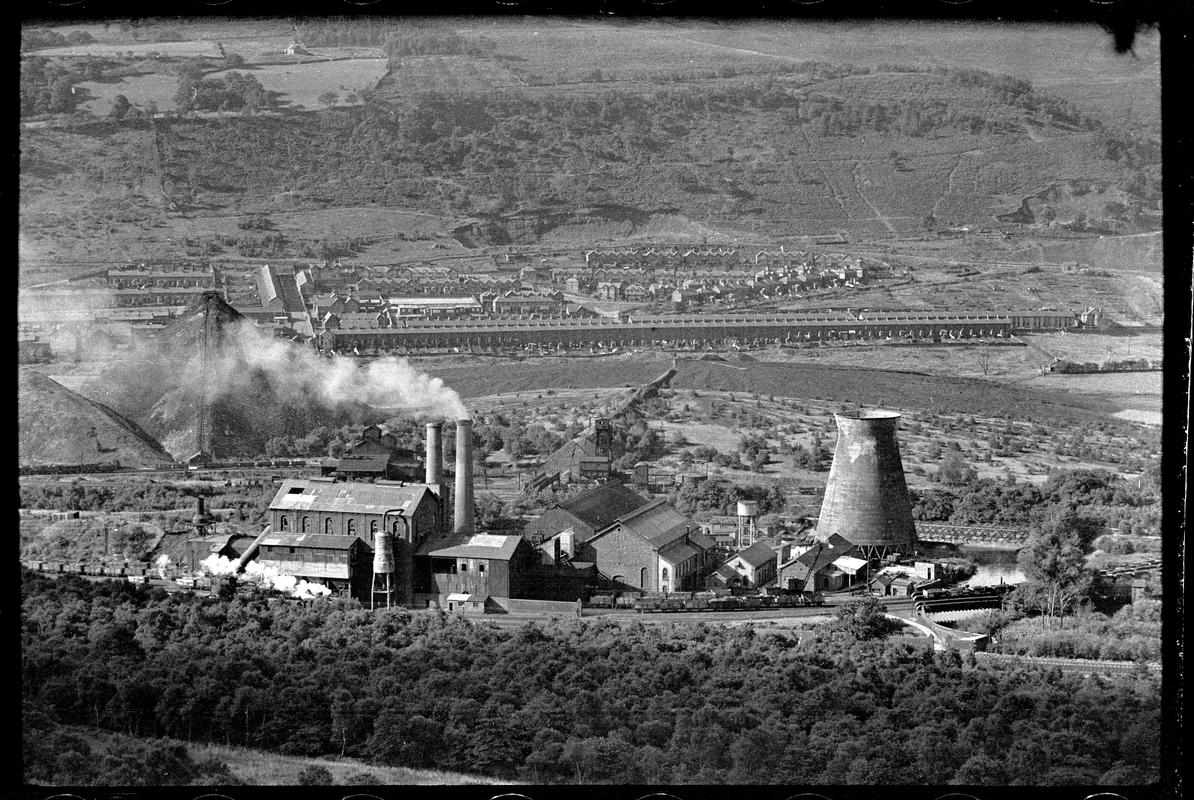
point(653, 548)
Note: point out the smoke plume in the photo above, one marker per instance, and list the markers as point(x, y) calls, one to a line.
point(163, 564)
point(267, 577)
point(301, 373)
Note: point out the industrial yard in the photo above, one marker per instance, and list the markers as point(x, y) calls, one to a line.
point(440, 402)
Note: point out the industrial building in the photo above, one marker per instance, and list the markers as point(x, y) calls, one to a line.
point(648, 330)
point(398, 543)
point(751, 568)
point(817, 569)
point(576, 521)
point(653, 548)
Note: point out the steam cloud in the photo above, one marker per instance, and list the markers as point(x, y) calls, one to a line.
point(163, 564)
point(267, 577)
point(383, 383)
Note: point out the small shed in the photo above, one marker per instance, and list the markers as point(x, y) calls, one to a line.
point(461, 603)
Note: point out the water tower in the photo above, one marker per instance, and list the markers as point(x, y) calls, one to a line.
point(748, 512)
point(383, 568)
point(866, 497)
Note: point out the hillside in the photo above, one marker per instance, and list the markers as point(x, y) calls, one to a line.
point(666, 131)
point(218, 764)
point(58, 426)
point(841, 384)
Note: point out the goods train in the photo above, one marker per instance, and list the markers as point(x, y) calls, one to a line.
point(705, 601)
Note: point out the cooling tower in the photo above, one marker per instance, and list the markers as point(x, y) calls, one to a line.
point(866, 498)
point(463, 518)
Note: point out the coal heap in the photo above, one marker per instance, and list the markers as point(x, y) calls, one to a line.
point(191, 388)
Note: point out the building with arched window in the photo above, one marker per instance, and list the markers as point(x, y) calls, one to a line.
point(348, 517)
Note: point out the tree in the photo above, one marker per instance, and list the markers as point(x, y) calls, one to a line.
point(120, 107)
point(954, 471)
point(864, 618)
point(329, 98)
point(1054, 562)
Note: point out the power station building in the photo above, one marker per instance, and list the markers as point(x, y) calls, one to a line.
point(393, 543)
point(866, 497)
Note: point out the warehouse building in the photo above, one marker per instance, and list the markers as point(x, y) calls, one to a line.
point(653, 548)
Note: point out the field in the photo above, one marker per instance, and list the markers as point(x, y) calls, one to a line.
point(299, 85)
point(731, 170)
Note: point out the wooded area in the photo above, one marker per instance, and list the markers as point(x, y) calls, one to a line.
point(580, 701)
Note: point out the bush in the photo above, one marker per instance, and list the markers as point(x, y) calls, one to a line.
point(315, 776)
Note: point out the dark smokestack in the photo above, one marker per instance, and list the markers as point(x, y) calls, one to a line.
point(435, 453)
point(866, 497)
point(464, 476)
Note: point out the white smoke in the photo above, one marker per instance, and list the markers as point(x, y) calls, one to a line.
point(163, 564)
point(266, 577)
point(299, 371)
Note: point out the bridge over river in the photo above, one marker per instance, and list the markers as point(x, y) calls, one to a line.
point(970, 534)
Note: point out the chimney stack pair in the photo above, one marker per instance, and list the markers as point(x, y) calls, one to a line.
point(463, 517)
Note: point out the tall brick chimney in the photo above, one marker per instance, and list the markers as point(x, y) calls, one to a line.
point(463, 520)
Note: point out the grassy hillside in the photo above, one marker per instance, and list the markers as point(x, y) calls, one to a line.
point(58, 426)
point(245, 765)
point(564, 132)
point(908, 390)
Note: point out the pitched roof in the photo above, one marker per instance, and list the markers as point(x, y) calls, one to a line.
point(700, 540)
point(363, 498)
point(678, 552)
point(478, 545)
point(757, 555)
point(657, 522)
point(600, 506)
point(823, 553)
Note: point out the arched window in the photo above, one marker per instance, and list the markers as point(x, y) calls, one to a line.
point(306, 524)
point(665, 573)
point(372, 526)
point(327, 526)
point(396, 527)
point(352, 527)
point(284, 523)
point(642, 578)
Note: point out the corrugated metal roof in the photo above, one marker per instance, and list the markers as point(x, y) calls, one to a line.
point(361, 498)
point(481, 545)
point(322, 541)
point(306, 569)
point(850, 564)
